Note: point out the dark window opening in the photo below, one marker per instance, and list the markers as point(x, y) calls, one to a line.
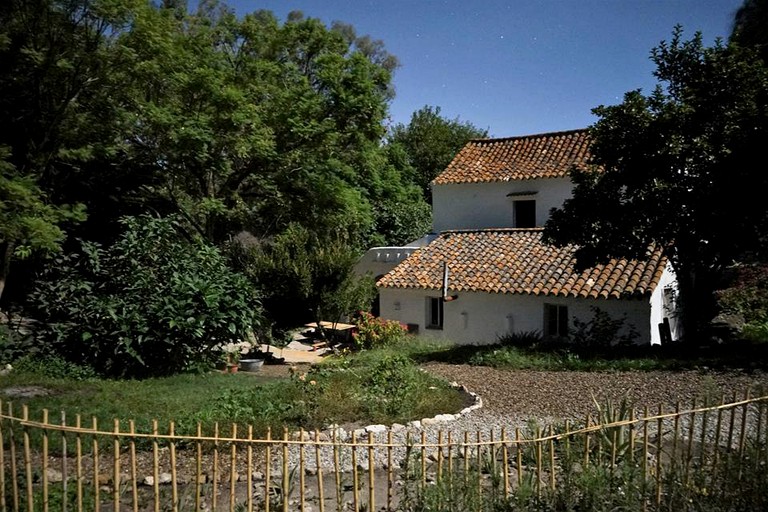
point(434, 313)
point(525, 213)
point(555, 320)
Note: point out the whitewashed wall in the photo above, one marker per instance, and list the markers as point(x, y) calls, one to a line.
point(664, 304)
point(486, 205)
point(479, 318)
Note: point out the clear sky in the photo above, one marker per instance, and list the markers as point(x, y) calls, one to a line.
point(516, 67)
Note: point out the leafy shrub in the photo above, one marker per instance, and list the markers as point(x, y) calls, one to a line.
point(154, 303)
point(54, 367)
point(373, 332)
point(522, 339)
point(747, 296)
point(390, 384)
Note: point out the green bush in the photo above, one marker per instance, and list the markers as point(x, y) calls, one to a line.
point(601, 333)
point(154, 303)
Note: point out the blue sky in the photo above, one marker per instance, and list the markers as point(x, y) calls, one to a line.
point(516, 67)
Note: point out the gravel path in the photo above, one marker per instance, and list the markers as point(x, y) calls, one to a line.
point(512, 399)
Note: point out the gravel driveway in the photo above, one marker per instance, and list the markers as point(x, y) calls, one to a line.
point(524, 394)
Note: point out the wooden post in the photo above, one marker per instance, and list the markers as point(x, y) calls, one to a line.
point(79, 463)
point(586, 441)
point(12, 442)
point(45, 460)
point(371, 475)
point(718, 427)
point(519, 455)
point(319, 468)
point(355, 477)
point(423, 460)
point(660, 440)
point(390, 474)
point(115, 465)
point(466, 458)
point(198, 467)
point(96, 470)
point(249, 475)
point(439, 455)
point(743, 433)
point(645, 446)
point(689, 444)
point(505, 461)
point(632, 436)
point(551, 458)
point(538, 461)
point(232, 468)
point(215, 469)
point(156, 466)
point(268, 470)
point(134, 469)
point(301, 469)
point(3, 504)
point(27, 459)
point(286, 482)
point(336, 469)
point(174, 479)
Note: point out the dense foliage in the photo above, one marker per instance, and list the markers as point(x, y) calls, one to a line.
point(153, 303)
point(675, 168)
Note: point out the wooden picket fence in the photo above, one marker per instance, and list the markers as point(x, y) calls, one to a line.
point(79, 466)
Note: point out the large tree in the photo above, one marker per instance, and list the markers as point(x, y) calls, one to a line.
point(429, 143)
point(678, 168)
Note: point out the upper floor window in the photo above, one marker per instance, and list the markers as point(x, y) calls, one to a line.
point(525, 213)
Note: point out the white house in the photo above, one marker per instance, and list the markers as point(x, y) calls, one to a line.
point(486, 272)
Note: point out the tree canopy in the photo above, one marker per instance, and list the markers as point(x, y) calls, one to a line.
point(677, 168)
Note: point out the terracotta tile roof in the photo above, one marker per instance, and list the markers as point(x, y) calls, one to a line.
point(547, 155)
point(517, 261)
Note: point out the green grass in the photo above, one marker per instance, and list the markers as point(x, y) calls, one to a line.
point(371, 387)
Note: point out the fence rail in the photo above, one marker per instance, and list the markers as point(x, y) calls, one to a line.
point(659, 455)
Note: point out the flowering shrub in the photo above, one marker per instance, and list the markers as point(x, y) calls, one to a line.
point(232, 352)
point(373, 332)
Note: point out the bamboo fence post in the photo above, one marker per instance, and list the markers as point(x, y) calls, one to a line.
point(301, 469)
point(675, 434)
point(586, 440)
point(479, 438)
point(538, 461)
point(689, 449)
point(3, 505)
point(718, 427)
point(96, 466)
point(64, 475)
point(743, 433)
point(632, 436)
point(355, 477)
point(27, 459)
point(660, 440)
point(115, 465)
point(79, 463)
point(215, 469)
point(614, 442)
point(551, 458)
point(12, 442)
point(156, 466)
point(371, 475)
point(567, 438)
point(336, 469)
point(268, 470)
point(134, 471)
point(439, 455)
point(758, 435)
point(286, 475)
point(232, 468)
point(249, 471)
point(390, 482)
point(731, 426)
point(466, 458)
point(505, 461)
point(492, 450)
point(45, 460)
point(198, 467)
point(645, 447)
point(172, 453)
point(450, 464)
point(519, 455)
point(319, 469)
point(423, 460)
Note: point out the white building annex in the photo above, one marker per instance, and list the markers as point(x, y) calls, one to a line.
point(489, 206)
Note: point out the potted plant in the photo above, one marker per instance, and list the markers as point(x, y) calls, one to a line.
point(232, 352)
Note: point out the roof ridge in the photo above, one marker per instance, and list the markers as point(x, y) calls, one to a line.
point(531, 136)
point(492, 230)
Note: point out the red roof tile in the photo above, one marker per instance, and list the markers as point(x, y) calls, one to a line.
point(547, 155)
point(517, 261)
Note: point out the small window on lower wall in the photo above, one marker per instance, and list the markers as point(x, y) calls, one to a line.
point(434, 313)
point(555, 320)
